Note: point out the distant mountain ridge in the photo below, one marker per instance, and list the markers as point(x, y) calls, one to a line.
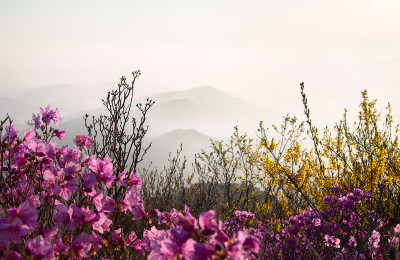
point(191, 117)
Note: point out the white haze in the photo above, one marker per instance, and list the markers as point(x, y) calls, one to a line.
point(256, 50)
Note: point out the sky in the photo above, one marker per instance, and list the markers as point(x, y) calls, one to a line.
point(257, 50)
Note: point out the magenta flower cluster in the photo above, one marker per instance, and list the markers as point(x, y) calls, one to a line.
point(340, 231)
point(57, 202)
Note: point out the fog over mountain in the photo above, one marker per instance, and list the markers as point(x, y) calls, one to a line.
point(190, 118)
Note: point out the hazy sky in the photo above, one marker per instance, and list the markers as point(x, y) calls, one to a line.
point(259, 50)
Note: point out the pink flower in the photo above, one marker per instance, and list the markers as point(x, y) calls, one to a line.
point(30, 139)
point(35, 121)
point(120, 179)
point(81, 245)
point(136, 181)
point(196, 251)
point(103, 203)
point(103, 224)
point(69, 155)
point(63, 217)
point(316, 222)
point(60, 134)
point(18, 162)
point(207, 223)
point(89, 181)
point(332, 241)
point(12, 231)
point(138, 211)
point(50, 115)
point(397, 229)
point(394, 242)
point(38, 248)
point(67, 188)
point(116, 235)
point(243, 246)
point(131, 198)
point(374, 240)
point(59, 247)
point(26, 213)
point(10, 133)
point(103, 168)
point(84, 216)
point(14, 256)
point(83, 141)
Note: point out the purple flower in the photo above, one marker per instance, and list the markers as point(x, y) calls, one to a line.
point(120, 179)
point(14, 256)
point(10, 133)
point(38, 248)
point(50, 115)
point(68, 155)
point(59, 247)
point(50, 183)
point(26, 213)
point(71, 168)
point(152, 237)
point(82, 245)
point(197, 251)
point(60, 134)
point(316, 222)
point(48, 234)
point(84, 216)
point(63, 217)
point(12, 231)
point(397, 229)
point(19, 162)
point(332, 241)
point(250, 244)
point(35, 121)
point(136, 181)
point(133, 241)
point(103, 168)
point(116, 235)
point(394, 242)
point(352, 242)
point(348, 204)
point(207, 223)
point(103, 203)
point(374, 241)
point(30, 139)
point(169, 248)
point(103, 224)
point(132, 198)
point(138, 211)
point(83, 141)
point(67, 188)
point(89, 181)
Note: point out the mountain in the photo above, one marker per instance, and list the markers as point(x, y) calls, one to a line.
point(206, 109)
point(189, 117)
point(169, 144)
point(69, 99)
point(19, 111)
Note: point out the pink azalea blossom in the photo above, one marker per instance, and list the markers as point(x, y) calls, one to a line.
point(207, 222)
point(103, 224)
point(397, 229)
point(49, 114)
point(63, 217)
point(10, 133)
point(38, 248)
point(136, 181)
point(81, 245)
point(84, 141)
point(60, 134)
